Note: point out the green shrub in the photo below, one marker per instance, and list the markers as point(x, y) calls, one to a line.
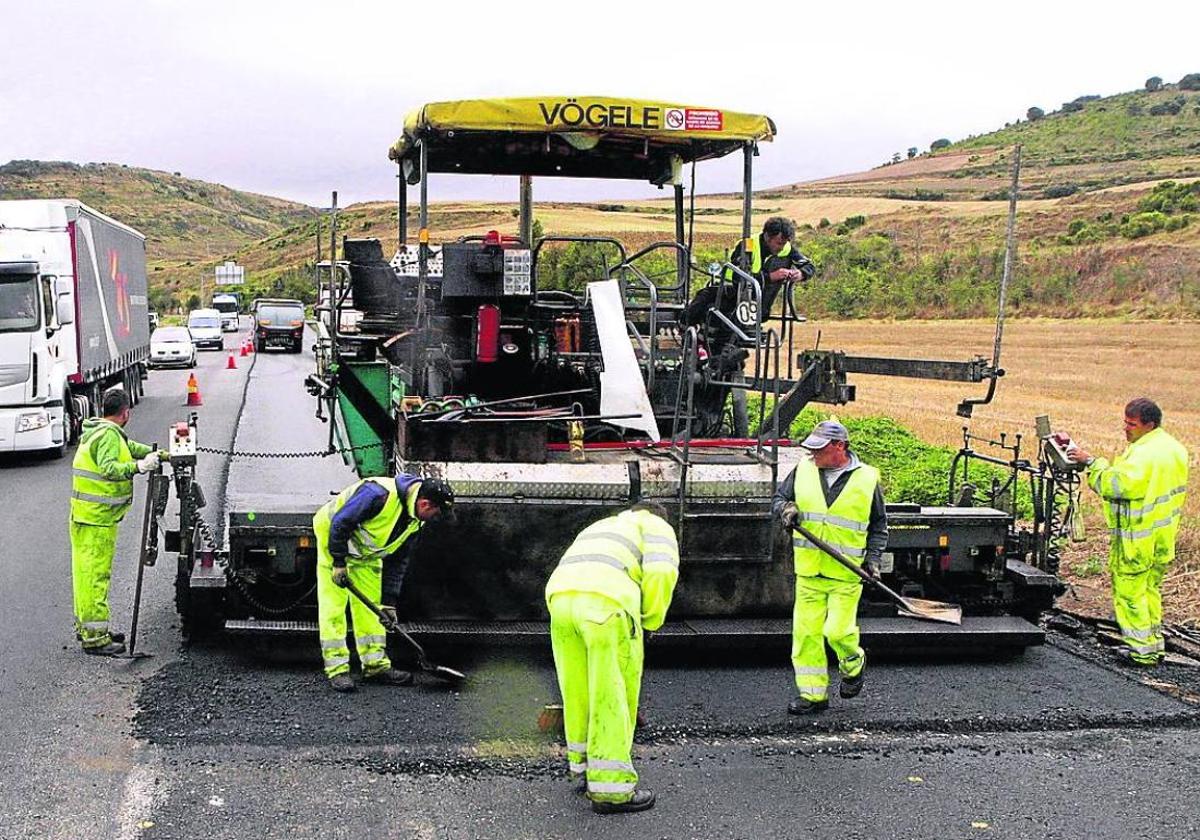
point(1060, 190)
point(1154, 83)
point(1177, 222)
point(1190, 82)
point(1034, 113)
point(1143, 224)
point(940, 143)
point(824, 223)
point(1071, 107)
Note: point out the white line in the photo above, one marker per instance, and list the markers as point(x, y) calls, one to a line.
point(138, 799)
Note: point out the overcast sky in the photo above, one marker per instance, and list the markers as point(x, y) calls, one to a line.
point(295, 99)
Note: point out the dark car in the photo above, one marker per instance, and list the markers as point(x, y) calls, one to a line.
point(279, 323)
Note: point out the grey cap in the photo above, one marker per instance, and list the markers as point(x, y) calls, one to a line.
point(823, 433)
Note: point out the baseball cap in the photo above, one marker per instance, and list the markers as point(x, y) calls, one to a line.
point(823, 433)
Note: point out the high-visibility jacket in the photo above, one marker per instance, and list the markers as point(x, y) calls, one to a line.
point(842, 524)
point(382, 534)
point(632, 558)
point(1144, 490)
point(756, 255)
point(102, 473)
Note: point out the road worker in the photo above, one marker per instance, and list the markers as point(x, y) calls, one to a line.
point(102, 493)
point(838, 498)
point(611, 585)
point(364, 524)
point(1143, 490)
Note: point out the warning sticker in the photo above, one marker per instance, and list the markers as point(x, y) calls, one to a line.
point(697, 120)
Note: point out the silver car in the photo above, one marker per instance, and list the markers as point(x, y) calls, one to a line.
point(172, 347)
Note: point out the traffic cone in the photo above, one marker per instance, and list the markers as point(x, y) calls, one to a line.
point(249, 345)
point(193, 391)
point(232, 362)
point(245, 352)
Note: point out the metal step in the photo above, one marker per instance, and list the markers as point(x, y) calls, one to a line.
point(897, 632)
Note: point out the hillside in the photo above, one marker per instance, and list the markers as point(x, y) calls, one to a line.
point(187, 222)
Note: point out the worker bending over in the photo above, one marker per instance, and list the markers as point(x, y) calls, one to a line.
point(614, 582)
point(1143, 489)
point(838, 499)
point(101, 494)
point(366, 523)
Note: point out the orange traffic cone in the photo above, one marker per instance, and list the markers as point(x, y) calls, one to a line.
point(249, 345)
point(245, 352)
point(232, 363)
point(193, 391)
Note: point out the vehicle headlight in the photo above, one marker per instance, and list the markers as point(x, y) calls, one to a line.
point(33, 420)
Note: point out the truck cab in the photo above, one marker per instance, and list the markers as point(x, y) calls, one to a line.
point(227, 305)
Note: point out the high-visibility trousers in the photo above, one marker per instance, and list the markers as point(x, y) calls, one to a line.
point(370, 639)
point(92, 550)
point(825, 609)
point(1137, 603)
point(598, 656)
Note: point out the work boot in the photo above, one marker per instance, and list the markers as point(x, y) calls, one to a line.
point(110, 649)
point(642, 800)
point(801, 706)
point(579, 785)
point(1125, 655)
point(342, 683)
point(852, 686)
point(390, 676)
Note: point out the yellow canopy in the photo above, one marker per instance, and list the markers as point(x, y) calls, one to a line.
point(572, 135)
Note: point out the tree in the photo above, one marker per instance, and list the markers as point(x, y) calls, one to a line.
point(1069, 107)
point(1034, 113)
point(912, 152)
point(1154, 83)
point(895, 157)
point(940, 143)
point(1190, 82)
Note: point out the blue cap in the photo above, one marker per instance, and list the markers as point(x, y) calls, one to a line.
point(825, 432)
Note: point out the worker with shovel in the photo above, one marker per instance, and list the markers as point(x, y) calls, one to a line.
point(101, 494)
point(839, 501)
point(615, 581)
point(365, 523)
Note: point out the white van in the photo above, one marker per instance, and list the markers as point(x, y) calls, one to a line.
point(205, 326)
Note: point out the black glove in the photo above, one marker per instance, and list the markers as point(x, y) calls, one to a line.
point(789, 515)
point(340, 576)
point(871, 567)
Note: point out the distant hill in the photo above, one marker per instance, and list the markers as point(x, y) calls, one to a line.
point(190, 225)
point(1088, 144)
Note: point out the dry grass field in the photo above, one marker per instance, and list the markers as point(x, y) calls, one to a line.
point(1081, 373)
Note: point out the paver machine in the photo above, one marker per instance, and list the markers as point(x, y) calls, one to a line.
point(547, 405)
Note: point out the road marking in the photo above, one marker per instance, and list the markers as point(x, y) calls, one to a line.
point(138, 799)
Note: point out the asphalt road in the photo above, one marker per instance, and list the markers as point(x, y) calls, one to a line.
point(228, 741)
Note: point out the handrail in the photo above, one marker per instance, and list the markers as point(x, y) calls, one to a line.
point(537, 247)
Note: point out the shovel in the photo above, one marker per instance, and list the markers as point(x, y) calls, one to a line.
point(156, 501)
point(911, 607)
point(387, 616)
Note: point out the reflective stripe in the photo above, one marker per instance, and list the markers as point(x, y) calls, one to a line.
point(623, 540)
point(101, 500)
point(848, 550)
point(1141, 635)
point(656, 557)
point(654, 539)
point(840, 521)
point(611, 787)
point(335, 661)
point(609, 764)
point(576, 767)
point(371, 640)
point(595, 558)
point(576, 746)
point(818, 691)
point(95, 476)
point(333, 644)
point(373, 656)
point(1153, 503)
point(1116, 487)
point(95, 625)
point(810, 670)
point(1144, 649)
point(1145, 532)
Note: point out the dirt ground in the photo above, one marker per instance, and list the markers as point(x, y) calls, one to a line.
point(1079, 372)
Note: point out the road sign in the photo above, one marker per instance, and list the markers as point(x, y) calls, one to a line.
point(230, 274)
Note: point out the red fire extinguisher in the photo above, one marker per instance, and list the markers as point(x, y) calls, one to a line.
point(487, 333)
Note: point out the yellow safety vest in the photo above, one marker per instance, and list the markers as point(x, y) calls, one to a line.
point(843, 525)
point(756, 257)
point(632, 558)
point(372, 540)
point(1144, 490)
point(95, 498)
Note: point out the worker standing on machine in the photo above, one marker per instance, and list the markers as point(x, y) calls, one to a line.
point(101, 495)
point(1144, 490)
point(839, 499)
point(614, 582)
point(367, 522)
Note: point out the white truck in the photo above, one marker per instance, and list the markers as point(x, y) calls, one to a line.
point(73, 319)
point(227, 305)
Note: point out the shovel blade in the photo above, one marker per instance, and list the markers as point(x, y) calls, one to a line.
point(449, 675)
point(931, 610)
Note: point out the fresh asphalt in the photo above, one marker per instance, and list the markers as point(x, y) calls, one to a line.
point(236, 741)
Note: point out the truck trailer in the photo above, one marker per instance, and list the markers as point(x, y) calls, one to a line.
point(73, 319)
